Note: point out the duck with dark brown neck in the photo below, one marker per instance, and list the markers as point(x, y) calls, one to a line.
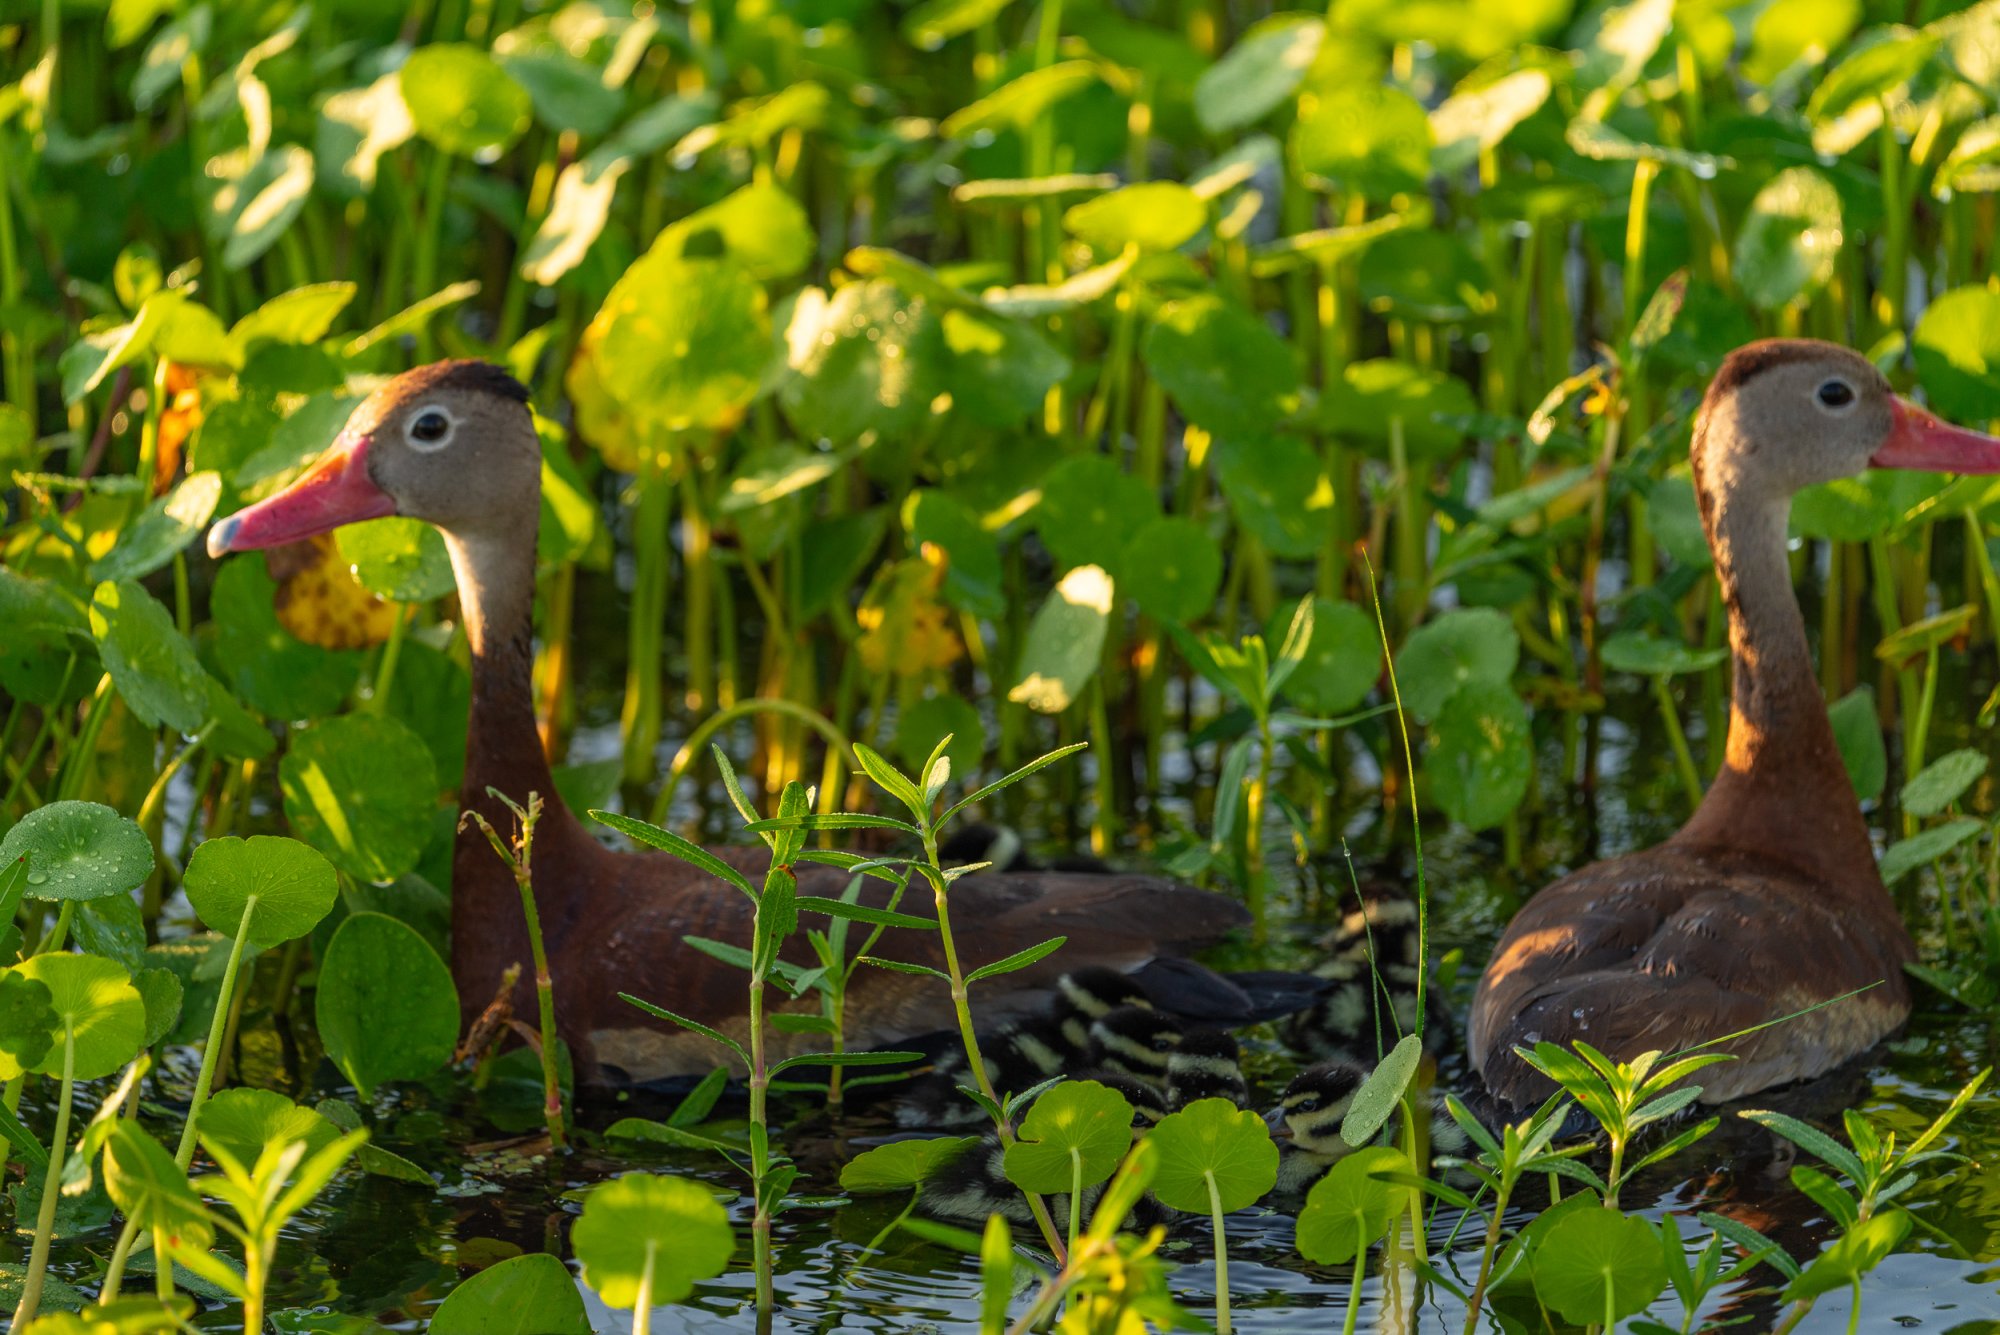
point(1767, 902)
point(454, 444)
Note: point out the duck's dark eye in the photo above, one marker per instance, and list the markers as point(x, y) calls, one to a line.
point(430, 426)
point(1163, 1044)
point(1836, 393)
point(1307, 1105)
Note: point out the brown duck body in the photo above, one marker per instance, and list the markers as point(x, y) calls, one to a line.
point(1768, 901)
point(453, 444)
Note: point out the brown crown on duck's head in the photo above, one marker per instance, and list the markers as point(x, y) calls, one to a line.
point(1784, 413)
point(452, 443)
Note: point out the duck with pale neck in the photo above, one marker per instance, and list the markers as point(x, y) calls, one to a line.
point(454, 444)
point(1767, 902)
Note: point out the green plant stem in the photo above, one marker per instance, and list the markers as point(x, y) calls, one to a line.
point(699, 574)
point(1353, 1316)
point(651, 522)
point(45, 1219)
point(1487, 1250)
point(1256, 877)
point(392, 652)
point(437, 187)
point(760, 1085)
point(1222, 1326)
point(16, 354)
point(184, 1155)
point(642, 1302)
point(1895, 224)
point(78, 765)
point(1683, 758)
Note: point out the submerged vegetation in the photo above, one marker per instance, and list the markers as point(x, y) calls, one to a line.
point(1249, 443)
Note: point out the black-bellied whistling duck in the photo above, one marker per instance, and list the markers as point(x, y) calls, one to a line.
point(1767, 901)
point(1308, 1118)
point(1136, 1041)
point(454, 444)
point(1206, 1064)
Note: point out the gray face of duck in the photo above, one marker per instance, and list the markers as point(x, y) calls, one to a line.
point(1315, 1104)
point(1206, 1065)
point(1085, 996)
point(1135, 1041)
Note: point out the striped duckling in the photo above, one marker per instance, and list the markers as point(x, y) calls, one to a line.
point(1136, 1041)
point(1053, 1042)
point(974, 1185)
point(1308, 1119)
point(1206, 1064)
point(1373, 958)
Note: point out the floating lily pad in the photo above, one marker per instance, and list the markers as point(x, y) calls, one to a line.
point(1212, 1145)
point(386, 1006)
point(78, 850)
point(461, 100)
point(662, 1233)
point(360, 788)
point(1223, 366)
point(531, 1294)
point(150, 661)
point(293, 887)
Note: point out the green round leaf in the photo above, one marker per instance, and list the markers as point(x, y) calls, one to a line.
point(386, 1006)
point(243, 1121)
point(150, 661)
point(28, 1020)
point(925, 722)
point(95, 1004)
point(1258, 73)
point(461, 100)
point(761, 227)
point(1426, 276)
point(1278, 490)
point(1474, 120)
point(1343, 658)
point(361, 788)
point(1064, 641)
point(254, 210)
point(293, 886)
point(1648, 655)
point(1172, 569)
point(1372, 396)
point(402, 559)
point(531, 1294)
point(1481, 756)
point(162, 992)
point(1090, 507)
point(431, 694)
point(1212, 1143)
point(972, 574)
point(1000, 370)
point(1382, 1091)
point(1857, 732)
point(685, 341)
point(640, 1225)
point(78, 850)
point(866, 363)
point(1943, 782)
point(1790, 239)
point(167, 526)
point(1224, 368)
point(901, 1164)
point(1348, 1211)
point(1078, 1122)
point(1599, 1265)
point(277, 674)
point(1370, 139)
point(1957, 349)
point(1152, 215)
point(567, 93)
point(1474, 644)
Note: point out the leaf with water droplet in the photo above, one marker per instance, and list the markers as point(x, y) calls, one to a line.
point(79, 850)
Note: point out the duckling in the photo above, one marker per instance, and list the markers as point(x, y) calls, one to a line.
point(1135, 1041)
point(1205, 1065)
point(974, 1185)
point(1374, 957)
point(1308, 1119)
point(1026, 1052)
